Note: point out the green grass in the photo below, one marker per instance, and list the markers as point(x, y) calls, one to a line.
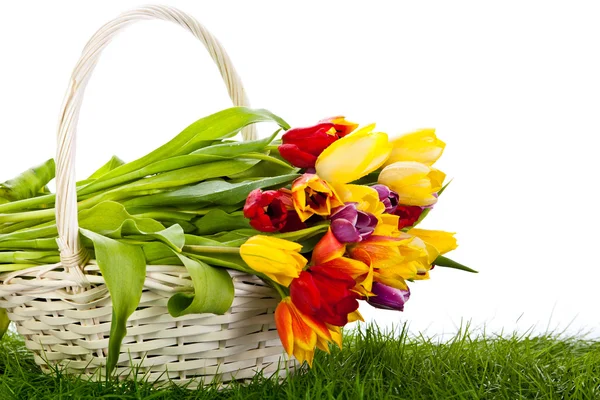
point(372, 365)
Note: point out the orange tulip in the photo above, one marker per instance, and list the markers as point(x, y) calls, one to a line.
point(300, 333)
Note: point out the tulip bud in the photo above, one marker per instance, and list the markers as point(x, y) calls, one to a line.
point(416, 184)
point(353, 156)
point(421, 146)
point(301, 146)
point(388, 298)
point(265, 210)
point(279, 259)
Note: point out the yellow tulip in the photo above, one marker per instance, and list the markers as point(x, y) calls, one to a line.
point(278, 259)
point(353, 156)
point(421, 146)
point(442, 241)
point(416, 184)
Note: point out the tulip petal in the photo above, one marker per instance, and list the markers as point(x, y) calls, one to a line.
point(305, 294)
point(327, 249)
point(297, 157)
point(416, 184)
point(355, 316)
point(442, 241)
point(345, 231)
point(353, 156)
point(283, 322)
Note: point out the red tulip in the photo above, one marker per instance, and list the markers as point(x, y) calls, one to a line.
point(341, 126)
point(325, 293)
point(266, 210)
point(302, 146)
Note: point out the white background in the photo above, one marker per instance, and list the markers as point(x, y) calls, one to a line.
point(513, 89)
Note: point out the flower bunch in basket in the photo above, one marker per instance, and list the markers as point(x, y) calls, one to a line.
point(326, 215)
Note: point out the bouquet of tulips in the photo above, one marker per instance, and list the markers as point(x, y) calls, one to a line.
point(326, 215)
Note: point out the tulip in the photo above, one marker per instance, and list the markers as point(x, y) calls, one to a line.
point(351, 225)
point(421, 146)
point(388, 298)
point(265, 210)
point(329, 253)
point(388, 197)
point(302, 146)
point(278, 259)
point(353, 156)
point(416, 184)
point(442, 241)
point(408, 215)
point(342, 127)
point(299, 333)
point(395, 260)
point(312, 195)
point(325, 293)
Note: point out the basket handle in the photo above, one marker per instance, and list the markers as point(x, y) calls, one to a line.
point(71, 253)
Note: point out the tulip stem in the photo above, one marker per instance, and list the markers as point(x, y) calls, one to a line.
point(279, 290)
point(213, 249)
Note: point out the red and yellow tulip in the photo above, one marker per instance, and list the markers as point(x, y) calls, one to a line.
point(300, 333)
point(312, 195)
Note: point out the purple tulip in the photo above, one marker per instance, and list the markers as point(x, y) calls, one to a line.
point(388, 197)
point(350, 225)
point(388, 298)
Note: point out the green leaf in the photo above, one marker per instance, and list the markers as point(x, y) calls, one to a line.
point(215, 192)
point(442, 261)
point(180, 177)
point(220, 125)
point(265, 168)
point(193, 240)
point(29, 183)
point(213, 290)
point(113, 163)
point(218, 221)
point(369, 179)
point(123, 268)
point(112, 220)
point(232, 149)
point(157, 253)
point(4, 322)
point(158, 167)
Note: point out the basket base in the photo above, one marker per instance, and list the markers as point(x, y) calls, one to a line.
point(69, 332)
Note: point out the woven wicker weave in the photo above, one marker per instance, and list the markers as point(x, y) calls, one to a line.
point(64, 310)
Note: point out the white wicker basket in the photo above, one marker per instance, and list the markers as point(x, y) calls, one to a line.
point(64, 310)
